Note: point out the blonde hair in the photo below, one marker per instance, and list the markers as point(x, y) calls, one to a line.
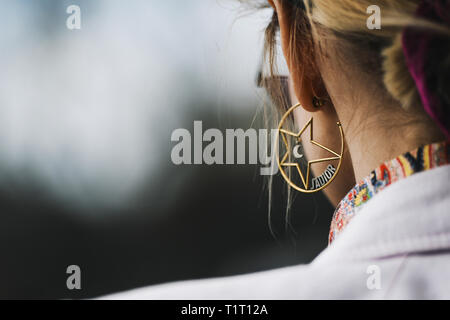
point(350, 16)
point(347, 19)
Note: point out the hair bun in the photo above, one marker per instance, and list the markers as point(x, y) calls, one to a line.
point(397, 78)
point(428, 62)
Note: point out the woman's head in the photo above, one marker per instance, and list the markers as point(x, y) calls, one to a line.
point(316, 29)
point(331, 52)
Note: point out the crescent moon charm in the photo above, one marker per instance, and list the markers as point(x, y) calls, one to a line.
point(295, 152)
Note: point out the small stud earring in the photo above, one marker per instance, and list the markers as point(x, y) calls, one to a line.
point(318, 102)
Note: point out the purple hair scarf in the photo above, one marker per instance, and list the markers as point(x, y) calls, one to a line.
point(417, 44)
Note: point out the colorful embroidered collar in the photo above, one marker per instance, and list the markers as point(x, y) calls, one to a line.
point(422, 159)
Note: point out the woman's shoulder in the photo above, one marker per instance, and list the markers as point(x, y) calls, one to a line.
point(400, 244)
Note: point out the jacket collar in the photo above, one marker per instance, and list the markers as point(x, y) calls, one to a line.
point(422, 159)
point(410, 216)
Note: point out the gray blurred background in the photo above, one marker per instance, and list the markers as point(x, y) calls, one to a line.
point(86, 177)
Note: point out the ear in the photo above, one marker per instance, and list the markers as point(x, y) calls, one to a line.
point(307, 82)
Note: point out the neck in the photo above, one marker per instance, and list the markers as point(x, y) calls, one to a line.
point(376, 133)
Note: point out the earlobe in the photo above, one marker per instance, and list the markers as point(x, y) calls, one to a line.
point(312, 95)
point(304, 94)
point(320, 94)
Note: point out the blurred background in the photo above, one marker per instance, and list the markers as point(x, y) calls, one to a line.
point(86, 177)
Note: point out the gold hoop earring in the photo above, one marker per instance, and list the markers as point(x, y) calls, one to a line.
point(318, 183)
